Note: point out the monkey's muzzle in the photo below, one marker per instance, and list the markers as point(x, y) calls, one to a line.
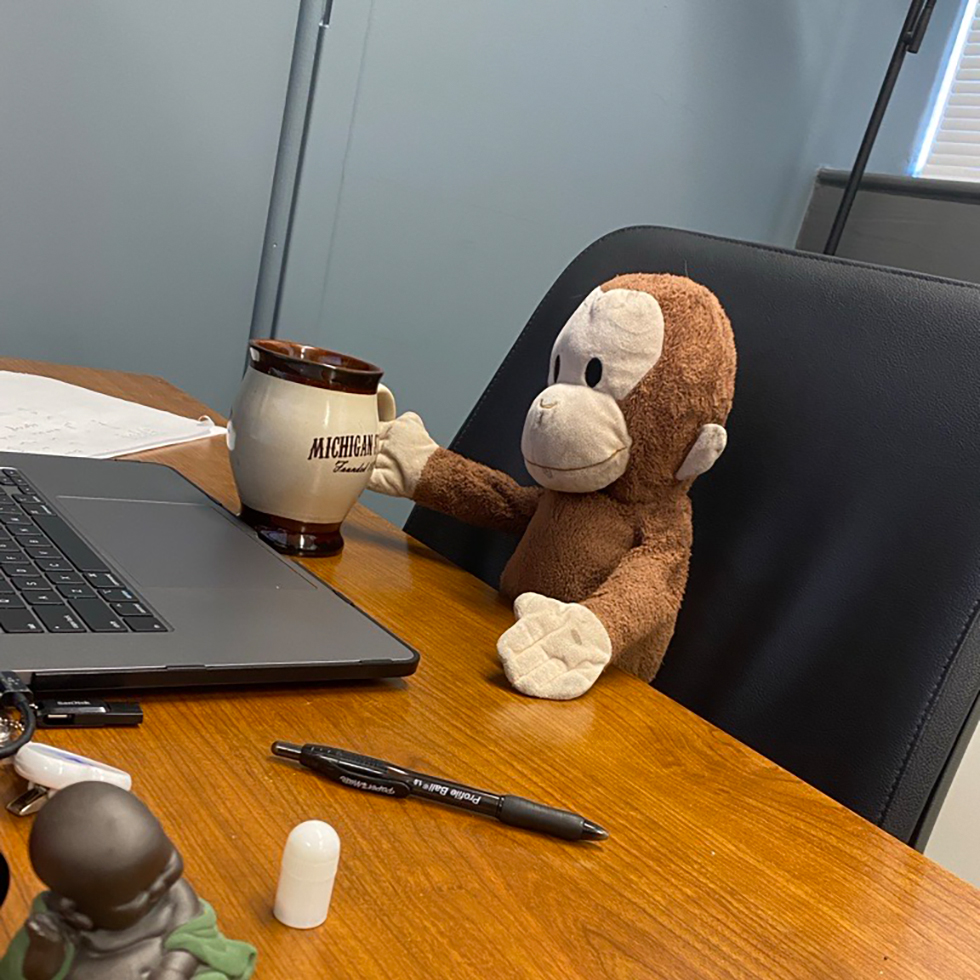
point(575, 439)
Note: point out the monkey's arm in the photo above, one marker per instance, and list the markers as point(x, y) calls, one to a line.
point(410, 464)
point(638, 605)
point(557, 649)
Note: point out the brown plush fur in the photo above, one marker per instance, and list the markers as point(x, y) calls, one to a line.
point(623, 551)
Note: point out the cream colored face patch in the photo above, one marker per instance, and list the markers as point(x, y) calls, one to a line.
point(610, 342)
point(575, 437)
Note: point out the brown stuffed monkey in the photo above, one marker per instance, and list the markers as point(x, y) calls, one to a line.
point(640, 385)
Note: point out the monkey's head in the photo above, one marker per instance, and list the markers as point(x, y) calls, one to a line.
point(642, 377)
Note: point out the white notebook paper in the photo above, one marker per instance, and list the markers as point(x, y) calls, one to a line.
point(41, 415)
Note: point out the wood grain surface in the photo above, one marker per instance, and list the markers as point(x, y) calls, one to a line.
point(719, 865)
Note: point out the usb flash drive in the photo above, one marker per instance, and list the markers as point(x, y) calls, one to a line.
point(88, 713)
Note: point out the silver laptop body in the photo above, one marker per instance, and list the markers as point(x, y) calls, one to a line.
point(119, 574)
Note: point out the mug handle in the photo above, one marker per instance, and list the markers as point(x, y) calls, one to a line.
point(386, 404)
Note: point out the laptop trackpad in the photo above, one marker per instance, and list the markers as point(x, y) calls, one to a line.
point(178, 545)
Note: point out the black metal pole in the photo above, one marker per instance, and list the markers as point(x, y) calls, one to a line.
point(908, 43)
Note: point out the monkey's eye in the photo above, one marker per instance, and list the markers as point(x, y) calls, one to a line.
point(557, 366)
point(593, 372)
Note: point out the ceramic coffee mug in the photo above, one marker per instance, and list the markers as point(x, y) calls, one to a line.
point(303, 438)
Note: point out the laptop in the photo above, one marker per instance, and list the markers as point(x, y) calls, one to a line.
point(117, 574)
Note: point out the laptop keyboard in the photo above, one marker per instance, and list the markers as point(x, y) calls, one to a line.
point(51, 581)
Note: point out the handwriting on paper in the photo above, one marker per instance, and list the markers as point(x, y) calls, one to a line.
point(42, 415)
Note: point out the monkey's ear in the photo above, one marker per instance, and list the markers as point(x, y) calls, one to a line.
point(708, 446)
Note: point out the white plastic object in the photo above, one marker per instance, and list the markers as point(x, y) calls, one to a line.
point(309, 867)
point(54, 769)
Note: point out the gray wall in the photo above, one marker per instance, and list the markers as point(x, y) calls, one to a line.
point(462, 153)
point(137, 145)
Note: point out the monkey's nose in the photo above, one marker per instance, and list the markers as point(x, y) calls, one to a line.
point(544, 404)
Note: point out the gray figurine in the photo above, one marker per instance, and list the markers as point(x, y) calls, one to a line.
point(118, 908)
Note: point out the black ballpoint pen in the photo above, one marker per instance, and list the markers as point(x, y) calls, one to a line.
point(375, 776)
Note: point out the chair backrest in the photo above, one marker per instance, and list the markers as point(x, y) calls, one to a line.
point(830, 617)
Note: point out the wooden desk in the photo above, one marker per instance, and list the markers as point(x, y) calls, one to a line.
point(720, 864)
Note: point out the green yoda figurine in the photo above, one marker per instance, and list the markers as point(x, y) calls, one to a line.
point(118, 908)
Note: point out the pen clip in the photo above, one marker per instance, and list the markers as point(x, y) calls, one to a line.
point(353, 759)
point(359, 775)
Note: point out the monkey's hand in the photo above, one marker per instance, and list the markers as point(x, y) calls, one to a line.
point(555, 649)
point(47, 947)
point(404, 447)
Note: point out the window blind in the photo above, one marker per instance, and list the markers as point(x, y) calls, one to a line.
point(951, 149)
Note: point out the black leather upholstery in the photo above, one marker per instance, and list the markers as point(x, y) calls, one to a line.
point(830, 618)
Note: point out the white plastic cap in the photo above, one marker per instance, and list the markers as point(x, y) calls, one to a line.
point(309, 867)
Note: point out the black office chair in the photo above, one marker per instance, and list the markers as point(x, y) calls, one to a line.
point(830, 620)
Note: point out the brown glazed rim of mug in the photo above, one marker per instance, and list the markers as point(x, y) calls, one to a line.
point(315, 366)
